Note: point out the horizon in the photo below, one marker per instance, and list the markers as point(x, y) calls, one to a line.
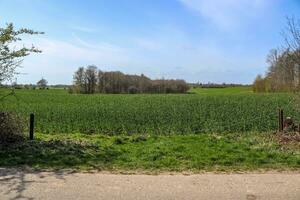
point(195, 40)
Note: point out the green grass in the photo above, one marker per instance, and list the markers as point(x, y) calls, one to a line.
point(153, 132)
point(56, 111)
point(209, 152)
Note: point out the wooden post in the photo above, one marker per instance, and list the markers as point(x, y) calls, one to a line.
point(31, 126)
point(280, 120)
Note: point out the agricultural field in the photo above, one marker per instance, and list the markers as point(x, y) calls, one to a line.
point(225, 110)
point(203, 130)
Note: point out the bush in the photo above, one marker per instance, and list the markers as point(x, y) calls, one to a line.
point(11, 128)
point(133, 90)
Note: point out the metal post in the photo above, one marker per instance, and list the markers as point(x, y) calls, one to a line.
point(31, 127)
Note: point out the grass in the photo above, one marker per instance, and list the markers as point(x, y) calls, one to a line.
point(56, 111)
point(209, 152)
point(225, 129)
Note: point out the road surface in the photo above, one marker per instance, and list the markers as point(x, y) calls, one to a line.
point(19, 184)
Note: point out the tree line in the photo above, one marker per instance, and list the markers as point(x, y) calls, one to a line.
point(283, 74)
point(89, 80)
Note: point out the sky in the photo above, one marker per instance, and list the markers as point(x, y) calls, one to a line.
point(196, 40)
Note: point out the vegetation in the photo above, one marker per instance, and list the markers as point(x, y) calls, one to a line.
point(58, 112)
point(11, 126)
point(42, 84)
point(222, 91)
point(10, 57)
point(149, 131)
point(283, 74)
point(91, 80)
point(208, 152)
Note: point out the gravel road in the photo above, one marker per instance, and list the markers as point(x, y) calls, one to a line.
point(19, 184)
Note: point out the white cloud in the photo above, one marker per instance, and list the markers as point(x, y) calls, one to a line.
point(148, 44)
point(60, 59)
point(169, 53)
point(226, 14)
point(81, 50)
point(84, 29)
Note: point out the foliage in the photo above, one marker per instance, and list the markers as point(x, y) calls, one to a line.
point(259, 84)
point(211, 152)
point(11, 128)
point(283, 74)
point(91, 80)
point(42, 84)
point(10, 57)
point(57, 111)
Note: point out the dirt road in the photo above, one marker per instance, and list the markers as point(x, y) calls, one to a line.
point(17, 184)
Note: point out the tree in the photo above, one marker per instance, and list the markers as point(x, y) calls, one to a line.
point(91, 79)
point(79, 80)
point(42, 84)
point(259, 84)
point(284, 65)
point(87, 80)
point(10, 56)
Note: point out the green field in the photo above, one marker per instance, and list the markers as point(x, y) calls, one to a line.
point(207, 129)
point(206, 111)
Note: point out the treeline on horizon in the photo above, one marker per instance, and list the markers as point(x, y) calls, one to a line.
point(283, 74)
point(216, 85)
point(90, 80)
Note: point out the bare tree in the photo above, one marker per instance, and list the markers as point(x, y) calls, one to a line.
point(284, 65)
point(91, 79)
point(79, 80)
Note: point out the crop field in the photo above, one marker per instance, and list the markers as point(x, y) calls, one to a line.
point(225, 110)
point(225, 129)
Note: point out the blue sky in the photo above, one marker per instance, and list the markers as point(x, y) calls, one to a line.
point(196, 40)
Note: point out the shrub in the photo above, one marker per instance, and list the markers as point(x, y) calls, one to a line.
point(11, 128)
point(133, 90)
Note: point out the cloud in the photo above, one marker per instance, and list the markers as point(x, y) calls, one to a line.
point(84, 29)
point(60, 59)
point(168, 53)
point(81, 50)
point(148, 44)
point(226, 14)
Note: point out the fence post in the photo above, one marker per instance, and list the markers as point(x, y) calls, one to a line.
point(280, 120)
point(31, 126)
